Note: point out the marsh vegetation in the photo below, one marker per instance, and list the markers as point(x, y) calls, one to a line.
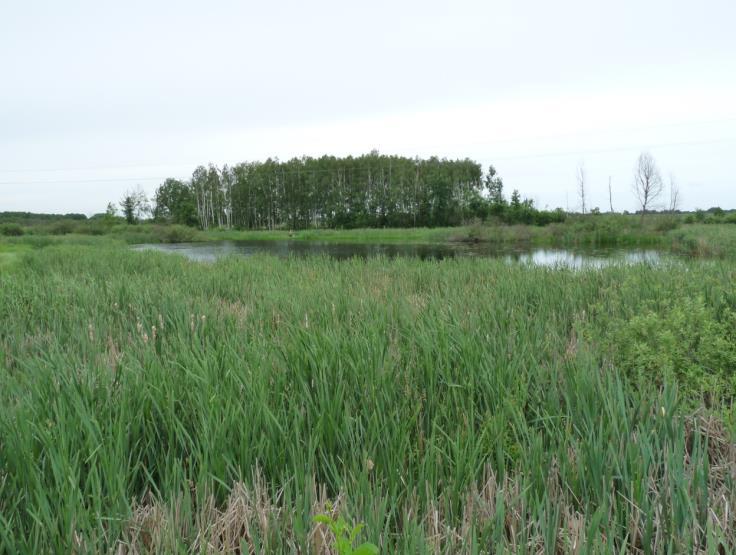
point(408, 398)
point(154, 404)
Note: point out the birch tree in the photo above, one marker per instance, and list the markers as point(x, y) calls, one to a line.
point(580, 176)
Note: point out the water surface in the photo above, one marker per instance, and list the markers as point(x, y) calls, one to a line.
point(574, 258)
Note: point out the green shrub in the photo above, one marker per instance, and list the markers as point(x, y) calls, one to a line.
point(62, 228)
point(667, 223)
point(177, 234)
point(345, 535)
point(11, 230)
point(450, 406)
point(685, 340)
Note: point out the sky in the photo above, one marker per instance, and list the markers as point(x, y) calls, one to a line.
point(97, 98)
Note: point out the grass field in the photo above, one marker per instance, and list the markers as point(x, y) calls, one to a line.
point(153, 404)
point(10, 253)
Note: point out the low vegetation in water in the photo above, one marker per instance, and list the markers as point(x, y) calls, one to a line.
point(153, 404)
point(657, 230)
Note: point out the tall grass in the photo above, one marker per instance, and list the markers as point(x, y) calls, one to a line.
point(706, 240)
point(463, 406)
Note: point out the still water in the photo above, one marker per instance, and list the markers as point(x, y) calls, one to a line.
point(573, 258)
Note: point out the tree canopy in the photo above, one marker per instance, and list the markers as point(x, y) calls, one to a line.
point(372, 190)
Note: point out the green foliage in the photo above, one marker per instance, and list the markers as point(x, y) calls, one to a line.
point(11, 230)
point(62, 227)
point(138, 389)
point(10, 254)
point(705, 240)
point(345, 536)
point(134, 205)
point(174, 202)
point(346, 193)
point(368, 191)
point(128, 207)
point(712, 216)
point(682, 339)
point(31, 218)
point(153, 233)
point(667, 222)
point(177, 234)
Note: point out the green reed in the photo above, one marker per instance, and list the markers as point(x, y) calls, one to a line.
point(155, 404)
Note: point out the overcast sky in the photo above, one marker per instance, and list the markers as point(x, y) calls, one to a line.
point(96, 97)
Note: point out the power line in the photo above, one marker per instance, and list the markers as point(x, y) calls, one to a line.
point(353, 169)
point(117, 167)
point(96, 180)
point(615, 149)
point(476, 143)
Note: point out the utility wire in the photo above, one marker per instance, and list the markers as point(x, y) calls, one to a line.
point(354, 169)
point(479, 143)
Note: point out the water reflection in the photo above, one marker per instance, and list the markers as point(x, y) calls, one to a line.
point(587, 258)
point(577, 258)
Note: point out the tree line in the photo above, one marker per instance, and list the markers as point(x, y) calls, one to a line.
point(372, 190)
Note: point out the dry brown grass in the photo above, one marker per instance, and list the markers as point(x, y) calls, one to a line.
point(251, 512)
point(248, 513)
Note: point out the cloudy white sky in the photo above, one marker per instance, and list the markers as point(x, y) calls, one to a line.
point(97, 97)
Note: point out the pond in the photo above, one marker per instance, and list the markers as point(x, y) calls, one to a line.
point(573, 258)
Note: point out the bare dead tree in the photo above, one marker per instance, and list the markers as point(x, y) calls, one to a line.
point(648, 184)
point(580, 175)
point(610, 196)
point(674, 195)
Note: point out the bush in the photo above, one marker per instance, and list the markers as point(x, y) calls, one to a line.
point(62, 228)
point(667, 223)
point(546, 217)
point(11, 230)
point(685, 340)
point(177, 234)
point(94, 230)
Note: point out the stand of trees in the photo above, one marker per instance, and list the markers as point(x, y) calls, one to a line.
point(372, 190)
